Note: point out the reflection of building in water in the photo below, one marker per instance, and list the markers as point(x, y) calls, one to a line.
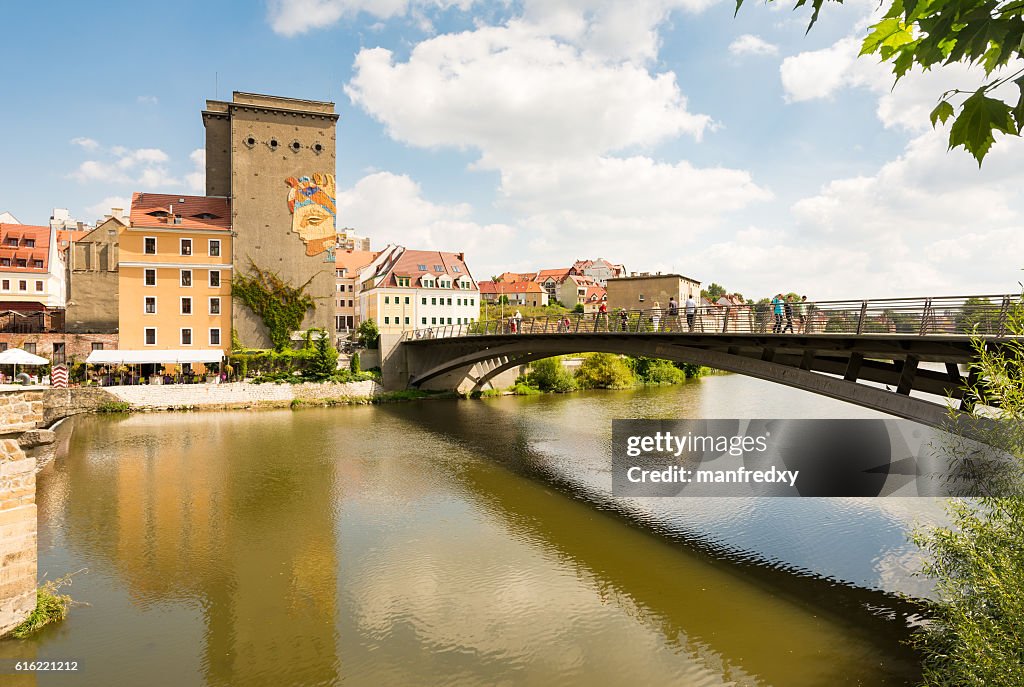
point(192, 520)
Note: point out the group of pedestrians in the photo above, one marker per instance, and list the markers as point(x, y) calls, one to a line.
point(787, 308)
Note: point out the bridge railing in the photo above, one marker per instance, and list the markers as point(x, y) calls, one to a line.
point(987, 314)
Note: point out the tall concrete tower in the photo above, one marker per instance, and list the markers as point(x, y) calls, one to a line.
point(275, 159)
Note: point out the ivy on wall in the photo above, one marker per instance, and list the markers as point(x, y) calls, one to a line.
point(281, 306)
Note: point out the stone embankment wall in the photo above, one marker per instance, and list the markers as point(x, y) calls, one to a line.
point(19, 411)
point(240, 395)
point(60, 403)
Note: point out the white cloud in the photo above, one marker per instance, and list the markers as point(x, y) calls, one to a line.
point(104, 206)
point(196, 179)
point(293, 17)
point(87, 143)
point(749, 44)
point(138, 167)
point(147, 100)
point(480, 89)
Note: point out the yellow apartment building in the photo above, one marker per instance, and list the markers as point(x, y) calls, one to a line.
point(174, 276)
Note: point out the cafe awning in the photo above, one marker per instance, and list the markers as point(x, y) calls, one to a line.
point(167, 357)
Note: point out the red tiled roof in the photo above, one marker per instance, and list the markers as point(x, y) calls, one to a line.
point(146, 206)
point(21, 232)
point(515, 287)
point(596, 293)
point(408, 265)
point(353, 260)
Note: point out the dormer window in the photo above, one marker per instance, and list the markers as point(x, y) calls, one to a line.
point(30, 243)
point(22, 262)
point(439, 268)
point(205, 216)
point(37, 263)
point(455, 268)
point(5, 262)
point(421, 268)
point(10, 241)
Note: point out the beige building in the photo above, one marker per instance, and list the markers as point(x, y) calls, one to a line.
point(642, 291)
point(275, 158)
point(174, 274)
point(92, 305)
point(347, 266)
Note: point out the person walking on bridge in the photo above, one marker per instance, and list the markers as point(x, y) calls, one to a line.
point(518, 319)
point(787, 307)
point(691, 311)
point(673, 314)
point(777, 314)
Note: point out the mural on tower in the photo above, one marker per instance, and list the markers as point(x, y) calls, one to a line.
point(311, 202)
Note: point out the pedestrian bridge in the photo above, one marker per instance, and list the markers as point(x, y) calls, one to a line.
point(910, 358)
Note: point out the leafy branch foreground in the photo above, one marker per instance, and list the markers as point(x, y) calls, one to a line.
point(938, 33)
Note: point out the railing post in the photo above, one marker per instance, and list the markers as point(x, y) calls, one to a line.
point(579, 316)
point(1004, 314)
point(863, 314)
point(725, 319)
point(546, 323)
point(926, 316)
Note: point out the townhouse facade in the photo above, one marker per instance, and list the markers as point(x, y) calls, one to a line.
point(174, 274)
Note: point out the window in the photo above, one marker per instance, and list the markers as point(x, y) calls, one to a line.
point(421, 268)
point(9, 241)
point(149, 245)
point(349, 287)
point(186, 336)
point(215, 336)
point(3, 345)
point(402, 281)
point(58, 352)
point(37, 264)
point(387, 320)
point(39, 285)
point(433, 301)
point(214, 279)
point(214, 249)
point(186, 305)
point(387, 300)
point(433, 320)
point(30, 243)
point(407, 300)
point(423, 320)
point(186, 277)
point(97, 345)
point(150, 306)
point(449, 320)
point(455, 268)
point(215, 305)
point(29, 348)
point(7, 284)
point(150, 279)
point(449, 303)
point(5, 262)
point(337, 273)
point(439, 268)
point(150, 336)
point(186, 246)
point(22, 263)
point(22, 285)
point(424, 301)
point(472, 301)
point(407, 320)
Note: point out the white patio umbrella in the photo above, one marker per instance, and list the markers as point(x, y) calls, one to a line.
point(18, 356)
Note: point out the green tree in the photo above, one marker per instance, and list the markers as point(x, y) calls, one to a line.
point(604, 371)
point(655, 370)
point(550, 375)
point(974, 631)
point(938, 33)
point(713, 292)
point(323, 362)
point(368, 334)
point(978, 315)
point(353, 363)
point(578, 308)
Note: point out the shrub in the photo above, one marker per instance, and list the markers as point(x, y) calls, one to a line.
point(51, 607)
point(368, 333)
point(113, 407)
point(521, 389)
point(550, 375)
point(604, 371)
point(323, 359)
point(353, 364)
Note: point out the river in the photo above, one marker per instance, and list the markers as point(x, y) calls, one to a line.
point(457, 543)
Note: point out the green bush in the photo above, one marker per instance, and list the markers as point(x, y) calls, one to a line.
point(353, 364)
point(322, 361)
point(655, 370)
point(972, 634)
point(113, 407)
point(604, 371)
point(550, 375)
point(368, 334)
point(520, 389)
point(51, 607)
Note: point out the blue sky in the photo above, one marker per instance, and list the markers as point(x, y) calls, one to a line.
point(664, 134)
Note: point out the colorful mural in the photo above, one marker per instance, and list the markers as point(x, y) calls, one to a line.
point(311, 202)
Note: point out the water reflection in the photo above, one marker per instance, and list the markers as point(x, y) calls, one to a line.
point(433, 543)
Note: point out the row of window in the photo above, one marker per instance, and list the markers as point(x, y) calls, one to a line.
point(21, 262)
point(433, 320)
point(433, 300)
point(149, 305)
point(22, 285)
point(10, 241)
point(184, 246)
point(185, 336)
point(429, 282)
point(58, 347)
point(437, 268)
point(345, 303)
point(341, 288)
point(185, 278)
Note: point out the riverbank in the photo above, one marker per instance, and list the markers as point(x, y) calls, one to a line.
point(243, 395)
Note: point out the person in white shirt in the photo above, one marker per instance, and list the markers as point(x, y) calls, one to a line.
point(691, 311)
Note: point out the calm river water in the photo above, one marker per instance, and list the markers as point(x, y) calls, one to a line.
point(456, 543)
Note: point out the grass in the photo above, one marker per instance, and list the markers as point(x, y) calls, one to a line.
point(113, 407)
point(51, 607)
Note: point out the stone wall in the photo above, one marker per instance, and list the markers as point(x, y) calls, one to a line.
point(76, 346)
point(60, 403)
point(17, 511)
point(237, 394)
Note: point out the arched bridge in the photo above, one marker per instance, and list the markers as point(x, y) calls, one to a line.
point(904, 357)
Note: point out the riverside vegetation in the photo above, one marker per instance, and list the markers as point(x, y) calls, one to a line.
point(601, 371)
point(974, 632)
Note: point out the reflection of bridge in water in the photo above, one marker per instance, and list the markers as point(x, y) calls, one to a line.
point(889, 355)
